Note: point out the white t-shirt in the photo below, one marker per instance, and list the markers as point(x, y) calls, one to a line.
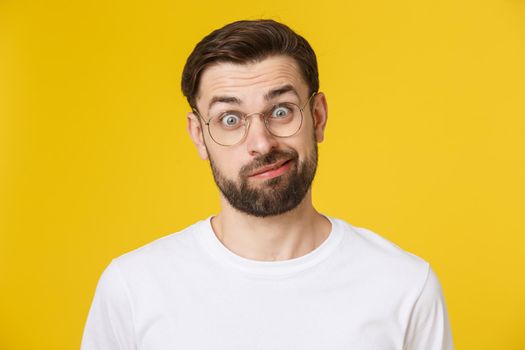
point(187, 291)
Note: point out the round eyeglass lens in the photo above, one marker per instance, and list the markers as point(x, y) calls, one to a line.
point(227, 128)
point(284, 120)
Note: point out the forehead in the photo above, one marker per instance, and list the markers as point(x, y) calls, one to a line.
point(250, 80)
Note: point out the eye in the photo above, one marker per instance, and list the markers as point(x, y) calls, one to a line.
point(280, 112)
point(230, 120)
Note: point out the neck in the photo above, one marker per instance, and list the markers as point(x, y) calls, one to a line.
point(280, 237)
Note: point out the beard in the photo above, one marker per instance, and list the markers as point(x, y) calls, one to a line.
point(274, 196)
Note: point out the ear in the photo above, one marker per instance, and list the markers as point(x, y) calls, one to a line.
point(320, 116)
point(196, 134)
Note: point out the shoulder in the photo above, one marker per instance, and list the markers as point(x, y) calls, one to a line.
point(379, 257)
point(398, 280)
point(163, 252)
point(369, 242)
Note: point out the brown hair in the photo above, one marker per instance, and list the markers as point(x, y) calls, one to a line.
point(245, 42)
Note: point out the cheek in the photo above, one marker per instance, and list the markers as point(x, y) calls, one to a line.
point(228, 163)
point(304, 145)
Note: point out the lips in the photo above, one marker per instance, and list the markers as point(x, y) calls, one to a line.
point(269, 167)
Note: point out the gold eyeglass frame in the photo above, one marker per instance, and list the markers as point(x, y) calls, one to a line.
point(246, 122)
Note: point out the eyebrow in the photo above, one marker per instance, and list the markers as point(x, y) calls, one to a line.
point(270, 95)
point(224, 99)
point(280, 91)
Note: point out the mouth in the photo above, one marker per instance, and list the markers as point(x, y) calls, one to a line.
point(272, 170)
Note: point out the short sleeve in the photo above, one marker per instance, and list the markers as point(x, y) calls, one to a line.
point(109, 325)
point(429, 326)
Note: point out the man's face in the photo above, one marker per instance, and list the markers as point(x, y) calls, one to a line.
point(263, 175)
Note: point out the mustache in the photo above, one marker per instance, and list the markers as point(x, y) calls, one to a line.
point(267, 159)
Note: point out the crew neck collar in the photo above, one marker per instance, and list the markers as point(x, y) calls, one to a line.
point(269, 268)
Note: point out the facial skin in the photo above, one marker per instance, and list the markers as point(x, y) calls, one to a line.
point(263, 175)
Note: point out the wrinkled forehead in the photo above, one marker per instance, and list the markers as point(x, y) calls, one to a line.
point(251, 82)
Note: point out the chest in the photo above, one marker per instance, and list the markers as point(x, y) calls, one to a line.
point(262, 314)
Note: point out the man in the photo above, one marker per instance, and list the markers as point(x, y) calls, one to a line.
point(268, 271)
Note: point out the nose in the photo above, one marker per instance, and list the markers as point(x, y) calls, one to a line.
point(259, 141)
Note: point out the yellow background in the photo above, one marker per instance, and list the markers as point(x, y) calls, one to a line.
point(425, 145)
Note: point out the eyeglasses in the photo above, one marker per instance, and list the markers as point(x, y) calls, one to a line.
point(230, 127)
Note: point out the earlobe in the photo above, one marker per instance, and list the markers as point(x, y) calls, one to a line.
point(320, 116)
point(196, 133)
